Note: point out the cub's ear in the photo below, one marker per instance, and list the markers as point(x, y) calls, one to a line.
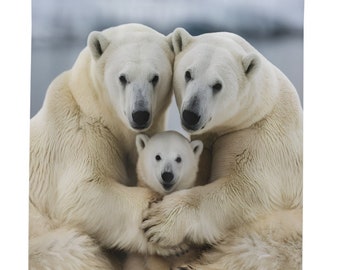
point(197, 147)
point(97, 43)
point(141, 141)
point(251, 63)
point(180, 39)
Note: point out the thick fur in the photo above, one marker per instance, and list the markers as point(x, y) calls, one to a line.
point(249, 117)
point(169, 152)
point(82, 150)
point(273, 242)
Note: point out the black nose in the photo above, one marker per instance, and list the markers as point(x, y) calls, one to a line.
point(190, 118)
point(167, 176)
point(141, 118)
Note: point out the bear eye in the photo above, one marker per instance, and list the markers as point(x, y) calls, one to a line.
point(188, 76)
point(178, 159)
point(158, 157)
point(123, 80)
point(216, 87)
point(155, 80)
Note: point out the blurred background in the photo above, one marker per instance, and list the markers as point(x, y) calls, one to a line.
point(60, 29)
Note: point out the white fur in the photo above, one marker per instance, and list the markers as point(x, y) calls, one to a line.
point(82, 152)
point(249, 117)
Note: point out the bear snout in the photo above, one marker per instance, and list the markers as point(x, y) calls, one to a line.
point(141, 119)
point(167, 177)
point(168, 182)
point(190, 119)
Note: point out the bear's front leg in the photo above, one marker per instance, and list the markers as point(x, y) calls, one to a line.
point(198, 215)
point(112, 215)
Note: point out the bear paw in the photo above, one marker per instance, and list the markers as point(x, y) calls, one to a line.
point(165, 223)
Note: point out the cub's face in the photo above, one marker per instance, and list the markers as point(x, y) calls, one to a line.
point(167, 161)
point(211, 80)
point(136, 68)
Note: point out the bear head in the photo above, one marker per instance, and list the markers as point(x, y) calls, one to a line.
point(214, 78)
point(167, 161)
point(133, 63)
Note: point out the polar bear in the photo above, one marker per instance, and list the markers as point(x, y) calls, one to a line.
point(249, 117)
point(82, 150)
point(167, 162)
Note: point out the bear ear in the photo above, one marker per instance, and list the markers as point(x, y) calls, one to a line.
point(141, 141)
point(197, 147)
point(180, 39)
point(169, 41)
point(250, 63)
point(97, 43)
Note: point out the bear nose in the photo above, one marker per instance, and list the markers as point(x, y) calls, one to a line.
point(167, 177)
point(190, 118)
point(141, 117)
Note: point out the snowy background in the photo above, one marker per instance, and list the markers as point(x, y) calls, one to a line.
point(60, 29)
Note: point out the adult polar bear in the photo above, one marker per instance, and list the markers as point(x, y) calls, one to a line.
point(82, 150)
point(249, 117)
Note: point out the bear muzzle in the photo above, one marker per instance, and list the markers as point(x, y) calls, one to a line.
point(141, 119)
point(167, 178)
point(190, 120)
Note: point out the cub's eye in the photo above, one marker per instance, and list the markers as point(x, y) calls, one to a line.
point(123, 80)
point(178, 160)
point(216, 87)
point(188, 76)
point(158, 157)
point(154, 80)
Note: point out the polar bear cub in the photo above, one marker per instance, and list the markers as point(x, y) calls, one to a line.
point(167, 162)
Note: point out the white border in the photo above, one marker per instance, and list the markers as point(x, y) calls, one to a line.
point(15, 51)
point(321, 135)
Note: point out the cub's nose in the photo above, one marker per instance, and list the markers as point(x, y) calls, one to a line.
point(141, 118)
point(190, 118)
point(167, 177)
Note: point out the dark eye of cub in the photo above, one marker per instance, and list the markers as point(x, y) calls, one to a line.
point(123, 80)
point(158, 157)
point(188, 76)
point(178, 160)
point(154, 80)
point(216, 87)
